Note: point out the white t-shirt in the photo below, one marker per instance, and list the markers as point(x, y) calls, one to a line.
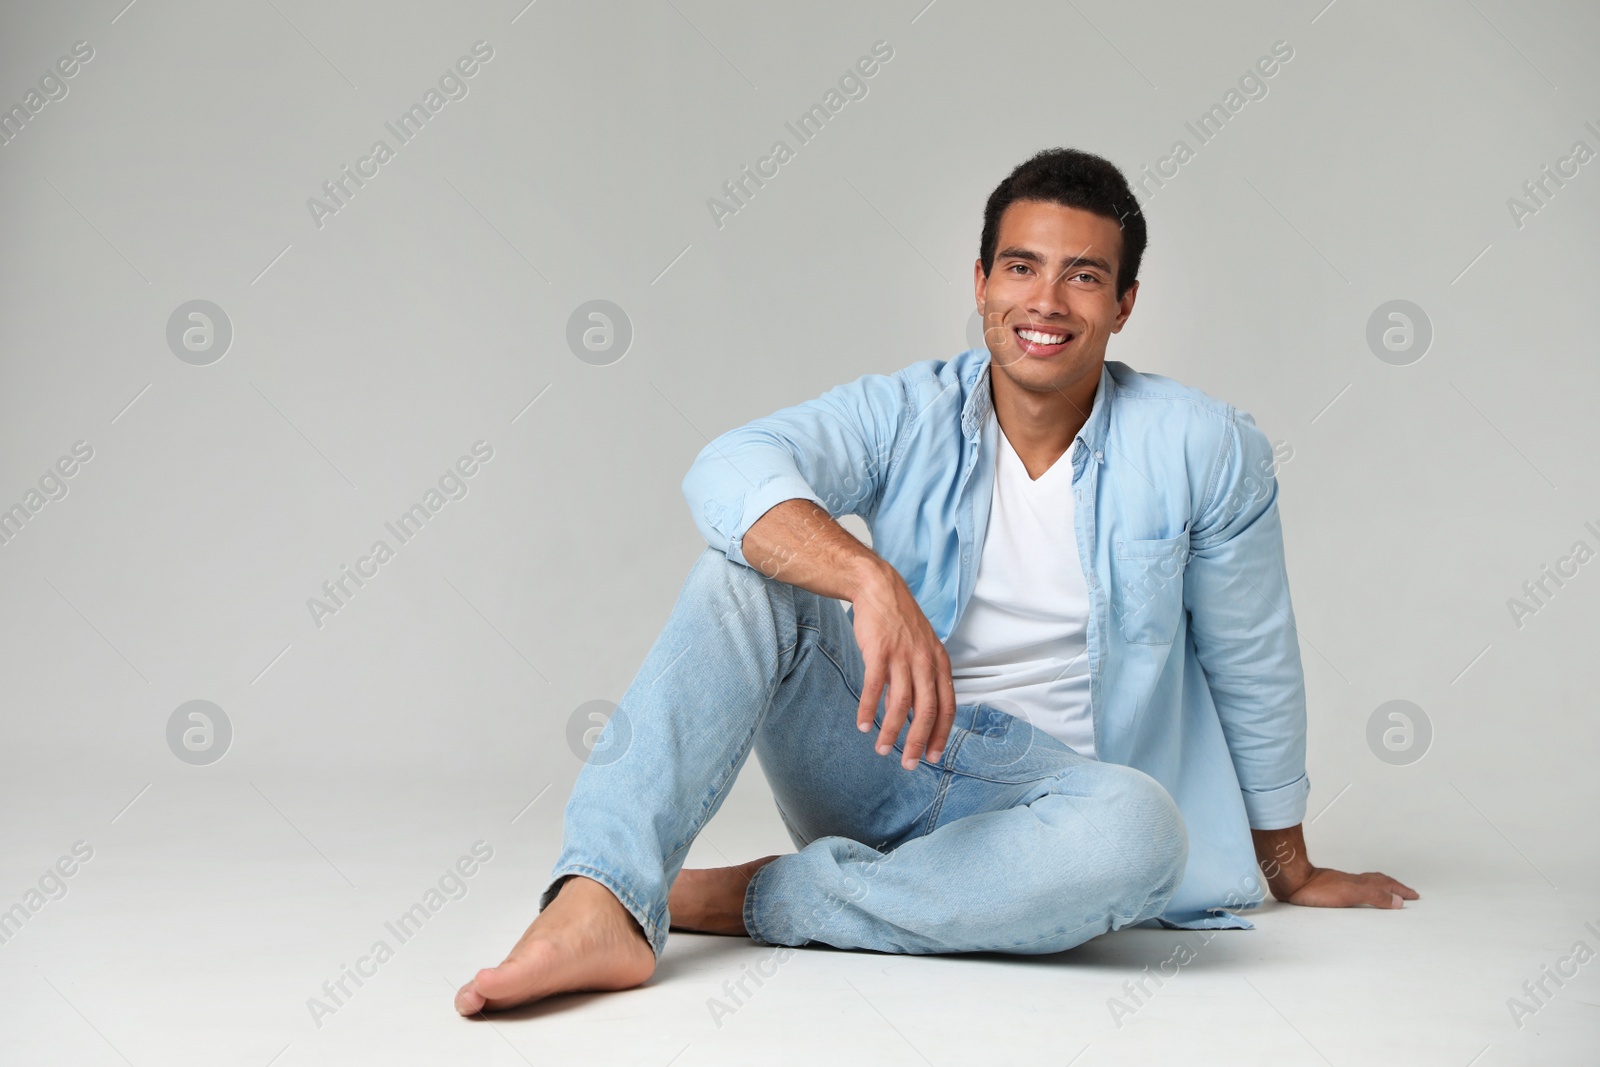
point(1021, 643)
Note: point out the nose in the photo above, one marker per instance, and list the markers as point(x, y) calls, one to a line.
point(1046, 300)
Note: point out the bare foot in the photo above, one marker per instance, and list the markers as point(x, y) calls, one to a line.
point(711, 901)
point(584, 940)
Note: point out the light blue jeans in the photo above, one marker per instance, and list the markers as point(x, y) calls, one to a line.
point(1013, 842)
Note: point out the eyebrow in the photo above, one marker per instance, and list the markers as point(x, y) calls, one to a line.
point(1033, 257)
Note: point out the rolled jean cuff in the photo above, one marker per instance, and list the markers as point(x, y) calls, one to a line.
point(654, 932)
point(750, 905)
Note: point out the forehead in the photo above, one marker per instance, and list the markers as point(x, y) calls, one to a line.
point(1057, 231)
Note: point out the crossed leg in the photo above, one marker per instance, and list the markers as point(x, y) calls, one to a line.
point(1012, 843)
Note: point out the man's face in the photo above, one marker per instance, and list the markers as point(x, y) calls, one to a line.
point(1049, 304)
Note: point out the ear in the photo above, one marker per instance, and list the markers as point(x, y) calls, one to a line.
point(1125, 307)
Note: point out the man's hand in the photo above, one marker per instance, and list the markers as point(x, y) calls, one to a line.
point(1328, 888)
point(798, 542)
point(901, 650)
point(1293, 880)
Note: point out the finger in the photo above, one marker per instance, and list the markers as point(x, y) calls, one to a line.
point(1379, 896)
point(947, 712)
point(924, 712)
point(895, 708)
point(871, 690)
point(1398, 888)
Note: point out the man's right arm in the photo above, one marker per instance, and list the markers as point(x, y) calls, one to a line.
point(765, 494)
point(798, 542)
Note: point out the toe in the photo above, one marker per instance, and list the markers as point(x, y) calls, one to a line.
point(492, 983)
point(468, 1000)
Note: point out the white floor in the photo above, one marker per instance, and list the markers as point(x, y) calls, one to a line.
point(213, 909)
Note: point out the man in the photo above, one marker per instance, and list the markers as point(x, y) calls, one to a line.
point(1072, 639)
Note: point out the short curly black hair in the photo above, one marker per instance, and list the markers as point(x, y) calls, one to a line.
point(1071, 178)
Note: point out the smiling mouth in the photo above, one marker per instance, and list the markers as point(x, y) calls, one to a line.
point(1041, 343)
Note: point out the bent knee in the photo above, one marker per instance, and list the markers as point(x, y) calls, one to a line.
point(716, 576)
point(1136, 815)
point(1154, 820)
point(735, 588)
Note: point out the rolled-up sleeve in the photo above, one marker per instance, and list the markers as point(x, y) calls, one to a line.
point(833, 450)
point(1236, 589)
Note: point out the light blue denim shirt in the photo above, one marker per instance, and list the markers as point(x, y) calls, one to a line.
point(1195, 674)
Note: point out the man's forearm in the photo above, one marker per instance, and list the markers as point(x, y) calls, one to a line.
point(1282, 857)
point(798, 542)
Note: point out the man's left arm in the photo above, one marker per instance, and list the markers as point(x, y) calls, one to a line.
point(1236, 589)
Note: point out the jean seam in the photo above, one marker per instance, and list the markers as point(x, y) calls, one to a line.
point(952, 748)
point(1004, 781)
point(937, 807)
point(1047, 937)
point(699, 818)
point(843, 676)
point(948, 764)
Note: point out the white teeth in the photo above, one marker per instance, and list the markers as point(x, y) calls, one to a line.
point(1041, 338)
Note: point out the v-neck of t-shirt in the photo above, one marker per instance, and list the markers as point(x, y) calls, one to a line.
point(1006, 448)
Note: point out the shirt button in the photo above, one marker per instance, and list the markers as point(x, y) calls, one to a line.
point(1099, 456)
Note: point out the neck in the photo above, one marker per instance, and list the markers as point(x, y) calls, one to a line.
point(1041, 424)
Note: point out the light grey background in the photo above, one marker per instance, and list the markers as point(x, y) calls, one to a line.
point(428, 313)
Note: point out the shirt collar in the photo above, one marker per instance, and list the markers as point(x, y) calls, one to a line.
point(979, 400)
point(1093, 434)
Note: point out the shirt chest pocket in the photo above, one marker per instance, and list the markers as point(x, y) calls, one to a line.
point(1149, 587)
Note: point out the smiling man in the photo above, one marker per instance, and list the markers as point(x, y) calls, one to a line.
point(1066, 697)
